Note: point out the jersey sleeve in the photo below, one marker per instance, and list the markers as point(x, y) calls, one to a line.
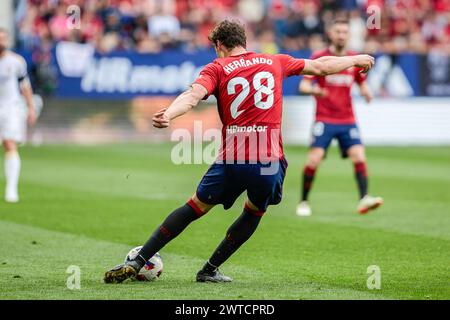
point(208, 78)
point(291, 66)
point(360, 77)
point(21, 70)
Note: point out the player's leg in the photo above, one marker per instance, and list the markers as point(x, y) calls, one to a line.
point(264, 188)
point(314, 158)
point(322, 133)
point(12, 170)
point(210, 187)
point(237, 234)
point(352, 147)
point(357, 155)
point(12, 132)
point(171, 227)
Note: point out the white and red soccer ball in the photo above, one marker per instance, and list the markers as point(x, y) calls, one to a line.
point(152, 268)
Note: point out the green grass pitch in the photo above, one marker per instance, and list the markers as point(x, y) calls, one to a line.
point(87, 206)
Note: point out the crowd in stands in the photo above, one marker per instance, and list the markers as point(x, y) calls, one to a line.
point(152, 26)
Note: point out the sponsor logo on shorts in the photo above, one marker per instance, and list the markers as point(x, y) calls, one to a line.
point(318, 129)
point(354, 133)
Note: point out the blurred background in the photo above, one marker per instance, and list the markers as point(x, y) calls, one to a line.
point(104, 67)
point(97, 177)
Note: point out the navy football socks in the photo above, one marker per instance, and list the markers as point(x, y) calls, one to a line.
point(172, 226)
point(238, 233)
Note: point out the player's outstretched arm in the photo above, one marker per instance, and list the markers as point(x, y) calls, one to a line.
point(182, 104)
point(329, 65)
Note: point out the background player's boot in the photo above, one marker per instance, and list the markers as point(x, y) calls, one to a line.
point(369, 203)
point(303, 209)
point(11, 196)
point(213, 276)
point(121, 272)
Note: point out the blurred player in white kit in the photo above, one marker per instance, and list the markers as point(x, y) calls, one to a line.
point(13, 122)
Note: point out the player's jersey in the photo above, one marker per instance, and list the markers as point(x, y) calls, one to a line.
point(336, 107)
point(12, 69)
point(248, 88)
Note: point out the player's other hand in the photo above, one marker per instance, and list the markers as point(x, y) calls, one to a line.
point(160, 119)
point(368, 97)
point(31, 117)
point(365, 62)
point(319, 92)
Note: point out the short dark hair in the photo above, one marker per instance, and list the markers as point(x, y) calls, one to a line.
point(231, 34)
point(340, 21)
point(336, 21)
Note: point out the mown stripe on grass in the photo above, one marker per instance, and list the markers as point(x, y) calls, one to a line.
point(33, 264)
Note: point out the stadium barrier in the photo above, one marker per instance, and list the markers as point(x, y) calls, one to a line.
point(385, 121)
point(84, 73)
point(393, 121)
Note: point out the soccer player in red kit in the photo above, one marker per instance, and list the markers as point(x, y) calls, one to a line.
point(248, 88)
point(335, 119)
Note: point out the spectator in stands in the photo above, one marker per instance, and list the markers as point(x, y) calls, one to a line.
point(154, 25)
point(58, 24)
point(163, 24)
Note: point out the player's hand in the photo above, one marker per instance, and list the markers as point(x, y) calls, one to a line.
point(319, 92)
point(160, 119)
point(31, 117)
point(365, 62)
point(368, 97)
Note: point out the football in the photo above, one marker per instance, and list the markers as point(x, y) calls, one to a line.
point(152, 268)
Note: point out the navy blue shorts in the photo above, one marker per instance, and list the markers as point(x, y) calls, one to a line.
point(224, 183)
point(324, 133)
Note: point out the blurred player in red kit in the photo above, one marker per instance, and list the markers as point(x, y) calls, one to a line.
point(248, 88)
point(335, 119)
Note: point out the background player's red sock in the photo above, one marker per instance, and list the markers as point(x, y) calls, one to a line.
point(361, 178)
point(308, 177)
